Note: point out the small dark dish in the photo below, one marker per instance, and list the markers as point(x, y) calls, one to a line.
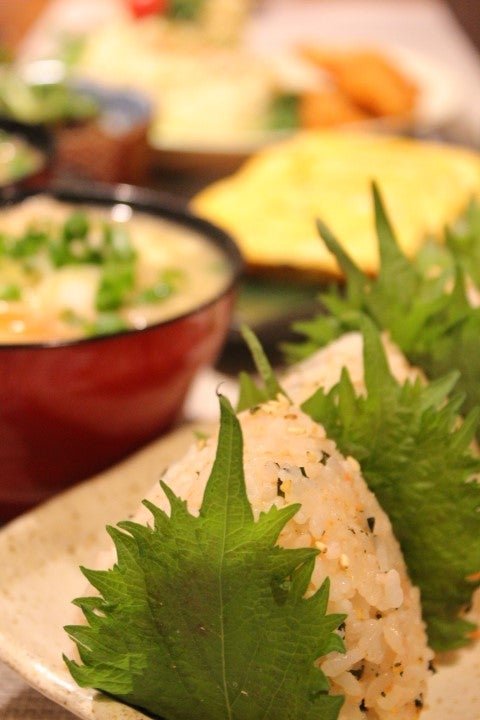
point(110, 147)
point(99, 133)
point(40, 139)
point(69, 409)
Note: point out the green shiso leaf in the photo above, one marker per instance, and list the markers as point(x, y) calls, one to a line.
point(463, 241)
point(433, 324)
point(416, 459)
point(205, 617)
point(251, 394)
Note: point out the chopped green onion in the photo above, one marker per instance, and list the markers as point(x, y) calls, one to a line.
point(163, 289)
point(158, 292)
point(10, 292)
point(284, 112)
point(116, 243)
point(117, 281)
point(106, 323)
point(29, 244)
point(76, 226)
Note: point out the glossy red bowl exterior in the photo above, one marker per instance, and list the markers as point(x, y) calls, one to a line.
point(69, 410)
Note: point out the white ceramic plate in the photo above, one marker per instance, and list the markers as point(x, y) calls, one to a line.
point(39, 558)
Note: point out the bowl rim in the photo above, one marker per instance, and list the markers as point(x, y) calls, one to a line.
point(152, 202)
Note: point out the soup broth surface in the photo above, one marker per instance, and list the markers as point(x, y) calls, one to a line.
point(68, 272)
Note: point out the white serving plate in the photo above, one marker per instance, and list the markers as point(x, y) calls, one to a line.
point(39, 557)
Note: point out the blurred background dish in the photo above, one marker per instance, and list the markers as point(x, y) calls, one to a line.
point(71, 407)
point(26, 155)
point(99, 133)
point(219, 96)
point(272, 203)
point(112, 146)
point(365, 88)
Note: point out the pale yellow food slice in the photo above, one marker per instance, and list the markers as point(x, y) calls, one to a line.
point(271, 204)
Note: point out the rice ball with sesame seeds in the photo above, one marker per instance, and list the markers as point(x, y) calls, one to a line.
point(288, 459)
point(324, 367)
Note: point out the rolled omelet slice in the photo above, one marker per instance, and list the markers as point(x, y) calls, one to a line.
point(271, 204)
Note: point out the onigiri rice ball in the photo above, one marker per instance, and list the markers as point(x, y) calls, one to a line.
point(324, 367)
point(288, 459)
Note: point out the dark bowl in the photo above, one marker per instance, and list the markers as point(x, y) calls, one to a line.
point(117, 137)
point(40, 138)
point(70, 409)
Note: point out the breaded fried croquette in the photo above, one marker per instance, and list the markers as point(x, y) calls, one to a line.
point(368, 78)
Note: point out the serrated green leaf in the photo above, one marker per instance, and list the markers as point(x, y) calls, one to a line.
point(357, 281)
point(197, 619)
point(251, 394)
point(417, 461)
point(433, 324)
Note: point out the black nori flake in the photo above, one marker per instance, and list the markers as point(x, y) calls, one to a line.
point(371, 523)
point(378, 615)
point(280, 492)
point(432, 667)
point(302, 470)
point(341, 627)
point(357, 672)
point(324, 458)
point(419, 702)
point(362, 706)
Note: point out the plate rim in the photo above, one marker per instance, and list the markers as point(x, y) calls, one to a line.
point(47, 677)
point(14, 537)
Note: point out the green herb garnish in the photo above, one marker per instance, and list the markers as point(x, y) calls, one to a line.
point(463, 241)
point(117, 245)
point(205, 617)
point(250, 393)
point(433, 324)
point(417, 461)
point(106, 323)
point(185, 9)
point(117, 281)
point(24, 247)
point(166, 286)
point(9, 292)
point(76, 226)
point(34, 103)
point(283, 113)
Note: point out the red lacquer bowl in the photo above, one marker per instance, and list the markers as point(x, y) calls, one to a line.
point(69, 410)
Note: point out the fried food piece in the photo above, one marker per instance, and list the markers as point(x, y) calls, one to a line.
point(368, 79)
point(328, 108)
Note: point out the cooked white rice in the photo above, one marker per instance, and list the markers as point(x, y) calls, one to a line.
point(323, 368)
point(287, 459)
